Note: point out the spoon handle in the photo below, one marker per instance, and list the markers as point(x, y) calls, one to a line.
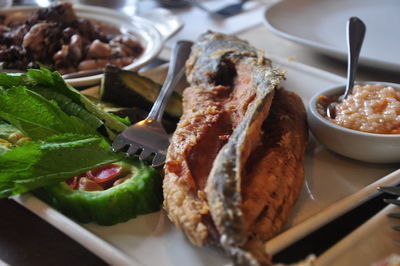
point(355, 38)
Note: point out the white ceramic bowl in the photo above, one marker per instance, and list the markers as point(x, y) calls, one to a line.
point(363, 146)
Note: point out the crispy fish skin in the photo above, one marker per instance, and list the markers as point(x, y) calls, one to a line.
point(213, 108)
point(199, 126)
point(223, 187)
point(274, 174)
point(271, 181)
point(214, 188)
point(209, 61)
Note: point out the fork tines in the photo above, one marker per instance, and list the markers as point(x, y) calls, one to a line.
point(394, 215)
point(392, 201)
point(390, 190)
point(394, 191)
point(396, 227)
point(131, 148)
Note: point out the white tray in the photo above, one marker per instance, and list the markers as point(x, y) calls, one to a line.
point(333, 185)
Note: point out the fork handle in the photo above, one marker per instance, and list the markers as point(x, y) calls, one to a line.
point(176, 70)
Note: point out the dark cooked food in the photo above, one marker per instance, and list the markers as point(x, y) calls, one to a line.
point(235, 165)
point(56, 38)
point(134, 95)
point(130, 89)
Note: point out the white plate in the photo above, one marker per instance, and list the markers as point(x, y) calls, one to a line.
point(322, 25)
point(372, 242)
point(137, 240)
point(152, 31)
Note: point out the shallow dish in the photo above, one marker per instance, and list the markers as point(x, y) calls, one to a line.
point(363, 146)
point(151, 33)
point(320, 25)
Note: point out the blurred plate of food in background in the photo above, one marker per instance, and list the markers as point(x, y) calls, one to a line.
point(80, 39)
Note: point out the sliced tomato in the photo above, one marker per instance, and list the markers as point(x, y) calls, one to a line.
point(73, 182)
point(104, 173)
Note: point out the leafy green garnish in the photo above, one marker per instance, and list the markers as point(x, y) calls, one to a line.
point(10, 80)
point(124, 120)
point(70, 107)
point(35, 164)
point(37, 117)
point(51, 86)
point(3, 149)
point(70, 134)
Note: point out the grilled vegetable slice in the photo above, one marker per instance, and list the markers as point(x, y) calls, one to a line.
point(138, 194)
point(129, 89)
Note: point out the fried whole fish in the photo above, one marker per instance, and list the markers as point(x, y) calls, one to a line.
point(226, 182)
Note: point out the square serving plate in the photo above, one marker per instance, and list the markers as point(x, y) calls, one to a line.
point(333, 185)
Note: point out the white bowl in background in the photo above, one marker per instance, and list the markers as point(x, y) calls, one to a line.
point(363, 146)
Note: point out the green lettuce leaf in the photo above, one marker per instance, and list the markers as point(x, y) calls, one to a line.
point(45, 79)
point(40, 163)
point(124, 120)
point(7, 80)
point(37, 117)
point(51, 86)
point(65, 128)
point(70, 107)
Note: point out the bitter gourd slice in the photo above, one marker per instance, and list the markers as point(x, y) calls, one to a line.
point(140, 194)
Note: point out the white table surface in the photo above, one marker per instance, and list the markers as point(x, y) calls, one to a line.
point(259, 36)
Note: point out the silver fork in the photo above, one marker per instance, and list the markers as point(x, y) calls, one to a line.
point(148, 136)
point(394, 191)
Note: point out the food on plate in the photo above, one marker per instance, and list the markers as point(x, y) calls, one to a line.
point(56, 38)
point(373, 108)
point(10, 137)
point(129, 94)
point(234, 168)
point(127, 89)
point(50, 133)
point(133, 188)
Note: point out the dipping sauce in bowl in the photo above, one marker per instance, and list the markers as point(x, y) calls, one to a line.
point(373, 108)
point(366, 126)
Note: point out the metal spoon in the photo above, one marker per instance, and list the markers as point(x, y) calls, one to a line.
point(355, 37)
